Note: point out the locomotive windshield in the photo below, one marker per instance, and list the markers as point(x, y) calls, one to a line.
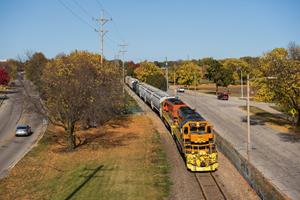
point(197, 129)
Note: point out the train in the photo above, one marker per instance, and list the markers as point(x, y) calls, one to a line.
point(192, 134)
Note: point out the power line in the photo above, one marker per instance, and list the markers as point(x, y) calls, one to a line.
point(75, 14)
point(82, 9)
point(113, 41)
point(100, 4)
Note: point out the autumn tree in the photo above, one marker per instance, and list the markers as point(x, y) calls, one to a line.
point(284, 89)
point(11, 66)
point(34, 67)
point(188, 74)
point(220, 75)
point(78, 89)
point(146, 69)
point(158, 81)
point(205, 63)
point(224, 77)
point(236, 66)
point(172, 72)
point(253, 65)
point(4, 77)
point(130, 67)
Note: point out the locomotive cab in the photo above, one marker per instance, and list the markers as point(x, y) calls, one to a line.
point(198, 132)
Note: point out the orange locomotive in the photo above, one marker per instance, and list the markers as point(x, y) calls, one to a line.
point(192, 133)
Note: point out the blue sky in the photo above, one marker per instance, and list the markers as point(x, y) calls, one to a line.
point(153, 29)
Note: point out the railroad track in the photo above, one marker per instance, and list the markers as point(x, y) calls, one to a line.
point(209, 186)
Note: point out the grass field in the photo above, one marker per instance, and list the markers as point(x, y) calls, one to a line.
point(121, 160)
point(273, 120)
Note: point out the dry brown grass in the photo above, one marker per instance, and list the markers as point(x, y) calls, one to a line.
point(117, 162)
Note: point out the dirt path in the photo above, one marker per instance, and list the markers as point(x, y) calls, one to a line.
point(184, 183)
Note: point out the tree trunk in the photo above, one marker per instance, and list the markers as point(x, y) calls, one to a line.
point(72, 137)
point(298, 119)
point(217, 89)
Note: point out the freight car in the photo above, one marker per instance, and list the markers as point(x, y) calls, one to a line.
point(191, 132)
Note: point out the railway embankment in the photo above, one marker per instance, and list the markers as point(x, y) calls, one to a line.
point(263, 187)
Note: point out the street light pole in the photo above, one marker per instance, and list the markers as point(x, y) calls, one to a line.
point(242, 89)
point(167, 73)
point(248, 112)
point(248, 118)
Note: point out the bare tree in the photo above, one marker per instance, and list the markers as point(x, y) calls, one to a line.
point(294, 51)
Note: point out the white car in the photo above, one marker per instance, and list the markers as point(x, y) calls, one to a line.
point(180, 89)
point(23, 130)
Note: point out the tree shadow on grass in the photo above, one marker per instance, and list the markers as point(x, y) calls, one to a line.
point(110, 135)
point(88, 178)
point(276, 119)
point(289, 137)
point(261, 118)
point(253, 121)
point(108, 139)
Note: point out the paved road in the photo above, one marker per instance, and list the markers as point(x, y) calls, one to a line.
point(17, 109)
point(275, 154)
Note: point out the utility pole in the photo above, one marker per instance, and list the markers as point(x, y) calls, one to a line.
point(195, 90)
point(167, 72)
point(102, 21)
point(116, 59)
point(123, 51)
